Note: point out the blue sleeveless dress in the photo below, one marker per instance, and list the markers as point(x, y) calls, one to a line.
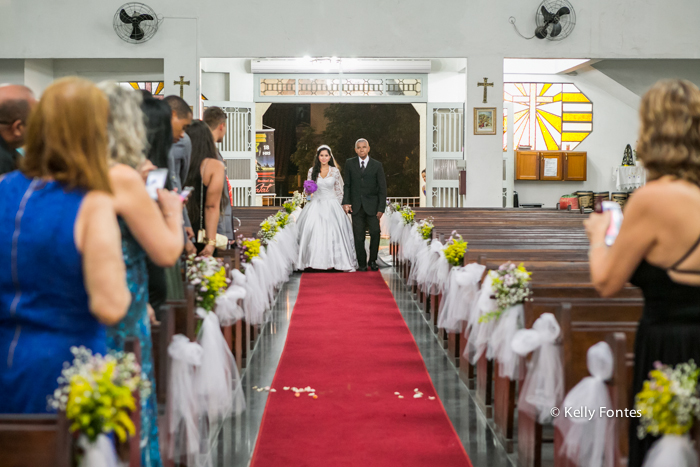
point(43, 303)
point(137, 324)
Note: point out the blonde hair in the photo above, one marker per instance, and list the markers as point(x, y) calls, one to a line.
point(126, 128)
point(67, 136)
point(669, 136)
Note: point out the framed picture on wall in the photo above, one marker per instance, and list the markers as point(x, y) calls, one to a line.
point(484, 120)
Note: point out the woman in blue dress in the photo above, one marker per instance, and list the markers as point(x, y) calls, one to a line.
point(62, 277)
point(147, 228)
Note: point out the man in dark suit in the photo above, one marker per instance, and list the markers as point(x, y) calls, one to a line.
point(365, 197)
point(15, 104)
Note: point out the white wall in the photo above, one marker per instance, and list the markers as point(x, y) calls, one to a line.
point(11, 71)
point(240, 80)
point(371, 28)
point(446, 82)
point(615, 124)
point(116, 69)
point(215, 86)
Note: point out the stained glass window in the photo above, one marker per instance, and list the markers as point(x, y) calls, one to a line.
point(157, 88)
point(319, 87)
point(277, 87)
point(548, 116)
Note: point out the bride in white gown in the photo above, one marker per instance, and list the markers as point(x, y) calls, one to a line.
point(325, 232)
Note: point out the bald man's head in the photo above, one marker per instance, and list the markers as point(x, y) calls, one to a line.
point(16, 103)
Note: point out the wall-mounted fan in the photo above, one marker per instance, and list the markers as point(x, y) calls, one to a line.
point(555, 20)
point(135, 22)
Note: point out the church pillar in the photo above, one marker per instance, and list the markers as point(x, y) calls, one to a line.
point(422, 110)
point(484, 152)
point(260, 109)
point(181, 60)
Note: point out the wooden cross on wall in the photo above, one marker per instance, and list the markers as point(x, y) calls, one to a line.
point(485, 85)
point(182, 83)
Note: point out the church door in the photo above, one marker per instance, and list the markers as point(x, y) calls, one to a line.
point(445, 122)
point(238, 150)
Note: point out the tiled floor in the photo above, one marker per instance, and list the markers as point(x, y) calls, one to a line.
point(235, 442)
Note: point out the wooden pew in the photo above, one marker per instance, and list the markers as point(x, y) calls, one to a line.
point(161, 336)
point(583, 323)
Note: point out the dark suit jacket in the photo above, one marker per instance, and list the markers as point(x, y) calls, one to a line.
point(366, 190)
point(8, 158)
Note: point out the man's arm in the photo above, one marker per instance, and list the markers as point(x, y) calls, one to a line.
point(381, 181)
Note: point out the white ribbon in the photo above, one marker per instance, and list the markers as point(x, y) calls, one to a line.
point(674, 450)
point(480, 333)
point(459, 296)
point(439, 269)
point(101, 453)
point(420, 264)
point(183, 401)
point(544, 384)
point(396, 227)
point(507, 325)
point(218, 381)
point(589, 434)
point(228, 304)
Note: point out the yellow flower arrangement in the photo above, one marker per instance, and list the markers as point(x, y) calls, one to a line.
point(455, 249)
point(668, 402)
point(426, 228)
point(208, 275)
point(250, 248)
point(97, 393)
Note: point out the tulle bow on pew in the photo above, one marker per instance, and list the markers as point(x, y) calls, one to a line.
point(480, 333)
point(218, 382)
point(459, 297)
point(672, 450)
point(544, 384)
point(589, 434)
point(421, 264)
point(228, 304)
point(101, 453)
point(439, 269)
point(183, 401)
point(500, 344)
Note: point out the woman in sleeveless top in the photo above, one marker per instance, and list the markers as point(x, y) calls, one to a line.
point(148, 229)
point(62, 276)
point(658, 248)
point(207, 177)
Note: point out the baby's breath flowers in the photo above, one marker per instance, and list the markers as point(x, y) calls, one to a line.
point(268, 229)
point(249, 248)
point(96, 393)
point(425, 227)
point(408, 215)
point(509, 284)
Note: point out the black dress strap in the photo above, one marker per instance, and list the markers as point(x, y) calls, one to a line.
point(685, 256)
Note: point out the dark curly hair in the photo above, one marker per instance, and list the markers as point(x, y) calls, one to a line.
point(317, 162)
point(669, 136)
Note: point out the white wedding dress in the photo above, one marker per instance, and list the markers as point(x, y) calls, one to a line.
point(325, 232)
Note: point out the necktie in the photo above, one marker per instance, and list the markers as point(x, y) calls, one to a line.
point(362, 166)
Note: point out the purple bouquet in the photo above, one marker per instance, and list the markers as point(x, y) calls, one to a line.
point(310, 187)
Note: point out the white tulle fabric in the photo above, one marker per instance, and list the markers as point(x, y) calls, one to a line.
point(324, 230)
point(459, 297)
point(229, 307)
point(438, 270)
point(101, 453)
point(408, 242)
point(183, 401)
point(544, 383)
point(218, 382)
point(589, 439)
point(420, 265)
point(674, 450)
point(257, 298)
point(384, 224)
point(480, 333)
point(396, 227)
point(507, 325)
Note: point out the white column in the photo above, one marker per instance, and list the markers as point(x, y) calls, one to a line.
point(38, 75)
point(484, 152)
point(422, 110)
point(182, 60)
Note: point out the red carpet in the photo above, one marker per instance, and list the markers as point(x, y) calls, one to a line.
point(349, 342)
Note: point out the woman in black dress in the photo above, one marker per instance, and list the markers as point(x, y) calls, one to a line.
point(658, 248)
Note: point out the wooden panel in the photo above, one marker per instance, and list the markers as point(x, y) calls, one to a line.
point(527, 165)
point(575, 165)
point(546, 159)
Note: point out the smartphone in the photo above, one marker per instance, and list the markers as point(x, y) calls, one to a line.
point(615, 220)
point(185, 193)
point(156, 181)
